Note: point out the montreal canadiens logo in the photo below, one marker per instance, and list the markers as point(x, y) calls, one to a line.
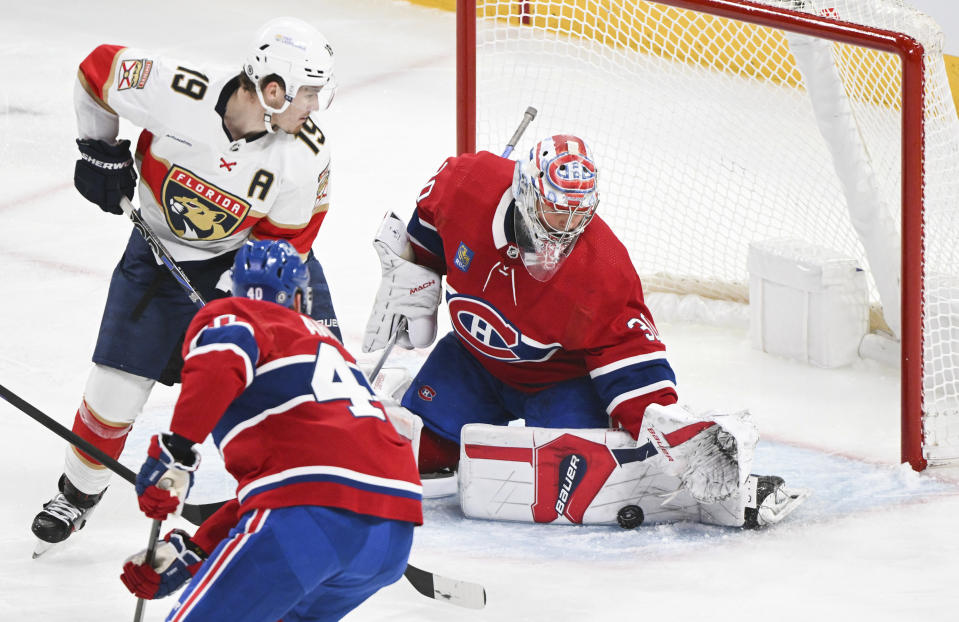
point(483, 328)
point(571, 173)
point(426, 393)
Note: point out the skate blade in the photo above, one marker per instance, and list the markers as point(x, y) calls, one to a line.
point(42, 547)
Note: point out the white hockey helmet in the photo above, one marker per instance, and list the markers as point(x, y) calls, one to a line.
point(296, 52)
point(556, 195)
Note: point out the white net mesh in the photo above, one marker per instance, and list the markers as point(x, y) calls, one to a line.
point(706, 139)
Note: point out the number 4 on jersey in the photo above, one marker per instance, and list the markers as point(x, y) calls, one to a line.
point(335, 379)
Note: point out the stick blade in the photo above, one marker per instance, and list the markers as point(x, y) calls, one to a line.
point(437, 587)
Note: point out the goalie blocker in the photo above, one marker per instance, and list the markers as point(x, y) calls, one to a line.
point(601, 477)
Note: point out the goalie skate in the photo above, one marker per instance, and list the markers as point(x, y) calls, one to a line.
point(62, 515)
point(769, 501)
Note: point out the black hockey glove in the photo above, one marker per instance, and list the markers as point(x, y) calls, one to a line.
point(104, 173)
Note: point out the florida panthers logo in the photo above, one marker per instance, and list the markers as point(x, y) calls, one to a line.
point(485, 329)
point(197, 210)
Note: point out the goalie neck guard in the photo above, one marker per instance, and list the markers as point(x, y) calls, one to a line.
point(555, 190)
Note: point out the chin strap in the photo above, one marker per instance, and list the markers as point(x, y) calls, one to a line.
point(268, 122)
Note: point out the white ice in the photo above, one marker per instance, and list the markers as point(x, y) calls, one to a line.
point(876, 541)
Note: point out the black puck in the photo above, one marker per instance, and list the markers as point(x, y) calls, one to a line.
point(630, 517)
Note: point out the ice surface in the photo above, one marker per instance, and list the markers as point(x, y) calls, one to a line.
point(874, 542)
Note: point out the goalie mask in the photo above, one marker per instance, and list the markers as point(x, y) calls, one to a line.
point(296, 52)
point(272, 270)
point(555, 193)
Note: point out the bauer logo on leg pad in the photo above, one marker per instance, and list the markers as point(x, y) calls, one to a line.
point(575, 467)
point(567, 470)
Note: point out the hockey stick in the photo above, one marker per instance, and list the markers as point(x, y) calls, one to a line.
point(400, 326)
point(196, 514)
point(148, 560)
point(528, 117)
point(160, 251)
point(460, 593)
point(164, 484)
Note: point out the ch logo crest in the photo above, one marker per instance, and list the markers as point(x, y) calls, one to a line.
point(198, 210)
point(485, 329)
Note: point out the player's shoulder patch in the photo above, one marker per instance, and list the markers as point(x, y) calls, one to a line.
point(133, 73)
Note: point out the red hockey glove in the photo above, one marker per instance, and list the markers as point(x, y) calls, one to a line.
point(157, 501)
point(175, 561)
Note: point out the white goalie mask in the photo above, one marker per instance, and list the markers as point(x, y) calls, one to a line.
point(296, 52)
point(556, 196)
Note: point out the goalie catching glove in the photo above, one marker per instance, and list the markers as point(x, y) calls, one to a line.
point(171, 459)
point(176, 559)
point(407, 291)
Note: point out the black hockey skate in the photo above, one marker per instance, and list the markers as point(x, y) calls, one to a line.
point(61, 516)
point(771, 502)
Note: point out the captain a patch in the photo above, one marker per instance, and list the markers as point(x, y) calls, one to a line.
point(464, 256)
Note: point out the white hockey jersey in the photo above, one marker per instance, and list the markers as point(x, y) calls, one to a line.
point(202, 192)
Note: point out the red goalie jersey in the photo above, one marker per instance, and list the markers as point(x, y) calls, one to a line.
point(589, 319)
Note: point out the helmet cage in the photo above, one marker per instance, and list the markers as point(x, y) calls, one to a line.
point(556, 198)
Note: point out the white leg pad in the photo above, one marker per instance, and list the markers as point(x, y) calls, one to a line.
point(117, 397)
point(574, 476)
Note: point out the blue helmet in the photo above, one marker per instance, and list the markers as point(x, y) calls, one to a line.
point(272, 270)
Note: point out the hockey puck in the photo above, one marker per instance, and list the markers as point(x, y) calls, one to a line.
point(630, 517)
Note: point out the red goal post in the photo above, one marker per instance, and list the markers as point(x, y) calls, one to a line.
point(626, 35)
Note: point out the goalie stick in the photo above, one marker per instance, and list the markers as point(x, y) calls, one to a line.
point(460, 593)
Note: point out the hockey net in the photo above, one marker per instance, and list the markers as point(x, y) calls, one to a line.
point(721, 122)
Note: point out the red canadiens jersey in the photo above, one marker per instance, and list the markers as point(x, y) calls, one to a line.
point(292, 414)
point(589, 318)
point(203, 192)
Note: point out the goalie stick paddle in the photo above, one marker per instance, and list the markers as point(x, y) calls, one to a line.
point(196, 514)
point(160, 251)
point(461, 593)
